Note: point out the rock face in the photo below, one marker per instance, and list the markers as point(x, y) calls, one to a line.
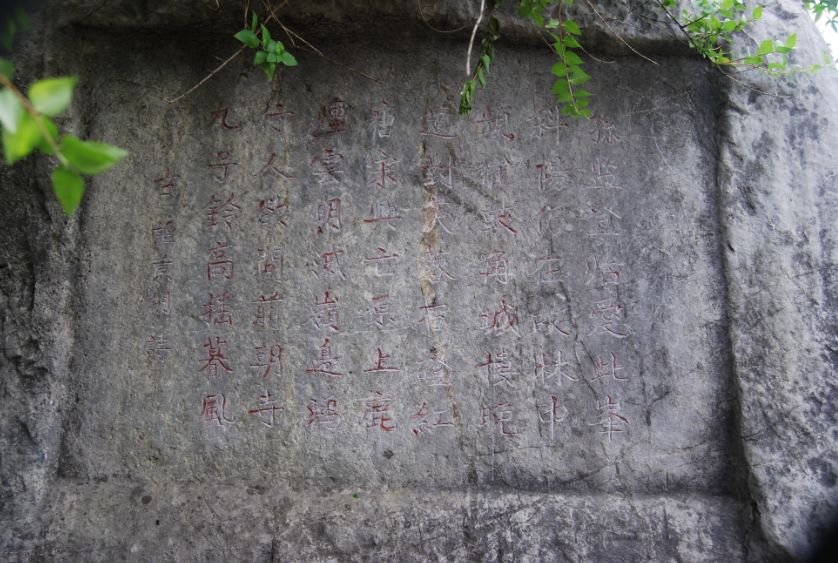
point(326, 318)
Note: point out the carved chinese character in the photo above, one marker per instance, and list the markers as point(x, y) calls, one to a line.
point(380, 360)
point(494, 123)
point(608, 368)
point(383, 119)
point(325, 314)
point(377, 414)
point(270, 264)
point(218, 265)
point(433, 371)
point(382, 262)
point(272, 212)
point(550, 367)
point(496, 268)
point(268, 361)
point(166, 183)
point(602, 176)
point(211, 411)
point(265, 409)
point(604, 221)
point(551, 414)
point(224, 211)
point(546, 121)
point(322, 413)
point(551, 174)
point(326, 363)
point(220, 116)
point(267, 312)
point(328, 167)
point(547, 323)
point(603, 273)
point(162, 275)
point(498, 219)
point(433, 315)
point(332, 118)
point(436, 265)
point(610, 421)
point(439, 122)
point(500, 416)
point(380, 171)
point(547, 270)
point(330, 264)
point(609, 317)
point(382, 211)
point(160, 302)
point(271, 168)
point(223, 165)
point(164, 235)
point(499, 370)
point(276, 116)
point(328, 216)
point(499, 321)
point(217, 310)
point(603, 130)
point(424, 421)
point(157, 347)
point(378, 315)
point(438, 174)
point(215, 357)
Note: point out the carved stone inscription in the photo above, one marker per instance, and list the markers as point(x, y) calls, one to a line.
point(352, 282)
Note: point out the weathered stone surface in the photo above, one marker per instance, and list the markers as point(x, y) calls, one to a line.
point(326, 318)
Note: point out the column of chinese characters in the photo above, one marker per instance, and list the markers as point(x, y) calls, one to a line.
point(221, 211)
point(606, 319)
point(157, 346)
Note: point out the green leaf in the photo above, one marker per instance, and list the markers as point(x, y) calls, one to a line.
point(783, 50)
point(766, 47)
point(572, 58)
point(266, 37)
point(254, 23)
point(273, 58)
point(571, 42)
point(729, 26)
point(260, 57)
point(559, 69)
point(571, 27)
point(43, 144)
point(7, 68)
point(88, 156)
point(288, 59)
point(248, 37)
point(270, 69)
point(791, 41)
point(487, 61)
point(19, 144)
point(757, 13)
point(480, 77)
point(753, 60)
point(11, 110)
point(68, 187)
point(552, 24)
point(53, 95)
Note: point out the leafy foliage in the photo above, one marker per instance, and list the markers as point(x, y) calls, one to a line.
point(269, 52)
point(26, 126)
point(487, 56)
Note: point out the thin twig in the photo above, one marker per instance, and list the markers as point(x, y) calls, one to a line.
point(36, 116)
point(207, 77)
point(473, 34)
point(292, 34)
point(620, 37)
point(426, 21)
point(214, 72)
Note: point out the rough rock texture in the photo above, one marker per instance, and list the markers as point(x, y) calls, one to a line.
point(326, 318)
